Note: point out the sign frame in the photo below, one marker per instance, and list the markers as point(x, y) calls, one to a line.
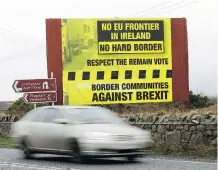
point(179, 36)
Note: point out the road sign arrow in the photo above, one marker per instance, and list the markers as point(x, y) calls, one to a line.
point(15, 87)
point(25, 98)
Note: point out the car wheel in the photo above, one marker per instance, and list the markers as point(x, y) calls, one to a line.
point(77, 156)
point(26, 151)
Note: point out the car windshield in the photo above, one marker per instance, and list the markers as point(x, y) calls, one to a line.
point(92, 115)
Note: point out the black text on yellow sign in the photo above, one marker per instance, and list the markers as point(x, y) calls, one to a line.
point(130, 96)
point(130, 36)
point(129, 92)
point(131, 47)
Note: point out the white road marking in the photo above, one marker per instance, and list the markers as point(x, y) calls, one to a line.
point(174, 160)
point(18, 165)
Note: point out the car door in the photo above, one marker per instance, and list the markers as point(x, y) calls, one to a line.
point(69, 129)
point(47, 134)
point(35, 128)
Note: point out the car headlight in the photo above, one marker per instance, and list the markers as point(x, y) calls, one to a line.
point(96, 136)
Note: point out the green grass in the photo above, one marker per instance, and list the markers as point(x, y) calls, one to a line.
point(6, 143)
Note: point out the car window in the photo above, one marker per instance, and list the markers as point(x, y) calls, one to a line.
point(40, 115)
point(29, 116)
point(92, 115)
point(47, 115)
point(70, 114)
point(51, 114)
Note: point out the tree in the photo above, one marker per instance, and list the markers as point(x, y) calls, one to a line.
point(198, 101)
point(19, 107)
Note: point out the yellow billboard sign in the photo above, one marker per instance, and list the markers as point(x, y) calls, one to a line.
point(107, 61)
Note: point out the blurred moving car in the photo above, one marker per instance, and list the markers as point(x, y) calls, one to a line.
point(79, 131)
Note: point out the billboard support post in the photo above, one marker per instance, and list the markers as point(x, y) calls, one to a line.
point(186, 105)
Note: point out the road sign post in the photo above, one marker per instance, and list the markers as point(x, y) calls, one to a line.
point(52, 76)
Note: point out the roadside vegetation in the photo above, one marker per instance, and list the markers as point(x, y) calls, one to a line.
point(197, 102)
point(200, 152)
point(6, 143)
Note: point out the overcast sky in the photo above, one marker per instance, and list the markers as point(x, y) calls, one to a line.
point(22, 35)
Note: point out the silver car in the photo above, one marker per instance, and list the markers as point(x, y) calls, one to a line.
point(79, 131)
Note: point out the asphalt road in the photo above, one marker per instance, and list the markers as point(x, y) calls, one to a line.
point(11, 159)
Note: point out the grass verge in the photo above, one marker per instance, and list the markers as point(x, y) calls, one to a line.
point(192, 153)
point(6, 143)
point(209, 153)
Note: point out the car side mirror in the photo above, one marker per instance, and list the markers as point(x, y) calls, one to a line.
point(61, 121)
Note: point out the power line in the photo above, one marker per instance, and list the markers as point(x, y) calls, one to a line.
point(149, 8)
point(164, 8)
point(17, 39)
point(18, 36)
point(175, 8)
point(18, 55)
point(16, 33)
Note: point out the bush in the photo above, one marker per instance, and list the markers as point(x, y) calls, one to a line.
point(198, 101)
point(19, 107)
point(195, 101)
